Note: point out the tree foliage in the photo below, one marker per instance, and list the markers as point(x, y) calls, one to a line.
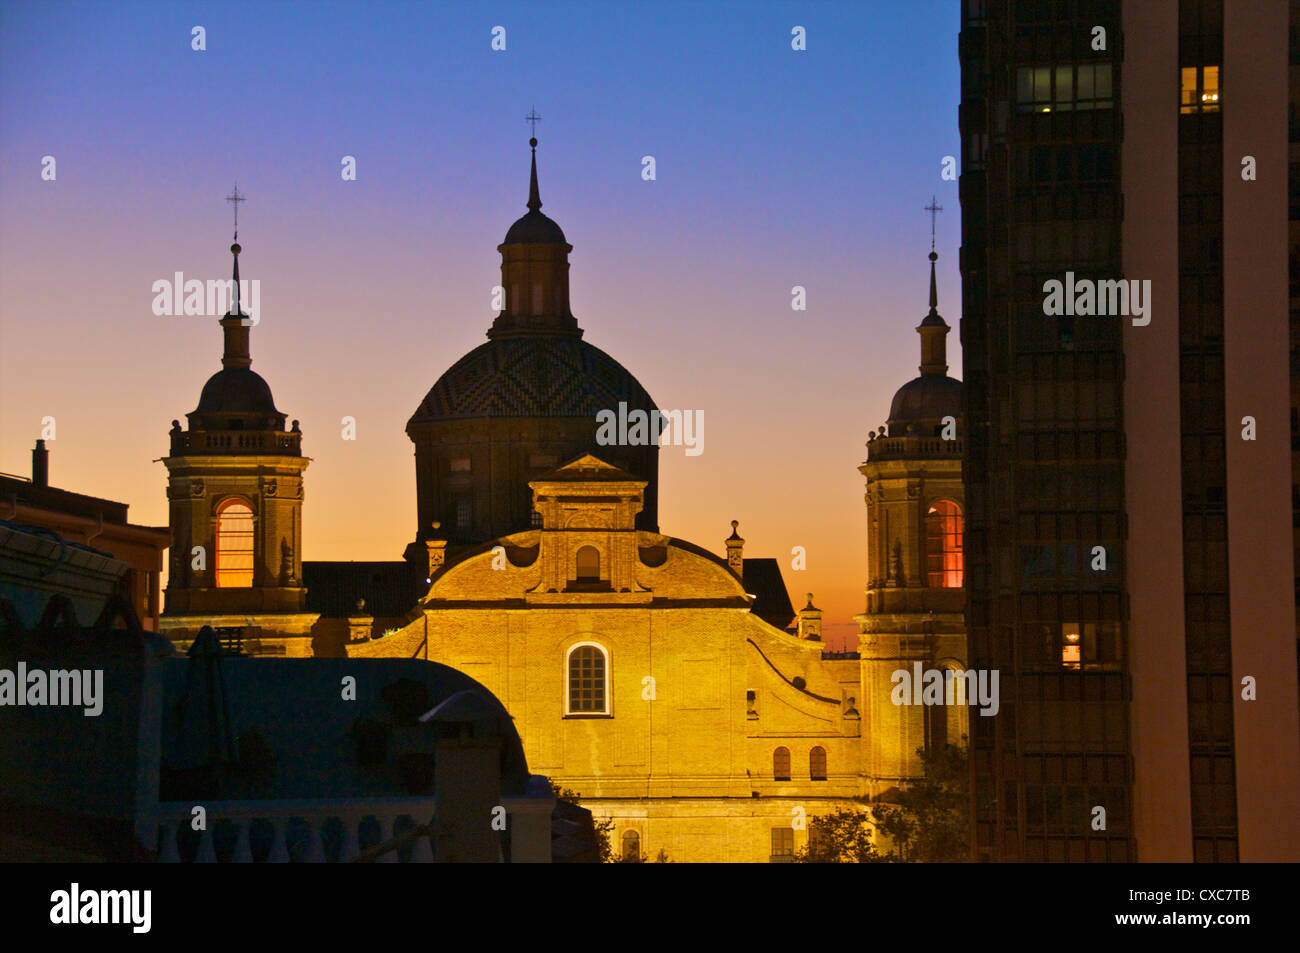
point(927, 822)
point(604, 829)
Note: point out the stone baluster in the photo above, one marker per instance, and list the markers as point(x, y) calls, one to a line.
point(168, 853)
point(351, 841)
point(279, 849)
point(243, 849)
point(207, 853)
point(386, 822)
point(422, 852)
point(315, 844)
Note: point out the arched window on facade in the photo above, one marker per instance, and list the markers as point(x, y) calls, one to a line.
point(234, 562)
point(781, 764)
point(943, 546)
point(588, 564)
point(817, 763)
point(631, 847)
point(588, 678)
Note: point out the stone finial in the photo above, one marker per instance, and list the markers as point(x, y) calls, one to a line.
point(899, 574)
point(359, 623)
point(736, 551)
point(287, 575)
point(810, 622)
point(437, 549)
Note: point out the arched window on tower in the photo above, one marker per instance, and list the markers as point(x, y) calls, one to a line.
point(943, 552)
point(817, 763)
point(588, 564)
point(781, 764)
point(234, 545)
point(588, 680)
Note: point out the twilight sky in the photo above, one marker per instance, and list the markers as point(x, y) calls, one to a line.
point(775, 168)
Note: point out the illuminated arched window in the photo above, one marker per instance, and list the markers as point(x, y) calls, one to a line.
point(631, 847)
point(817, 763)
point(588, 680)
point(781, 764)
point(943, 559)
point(234, 545)
point(588, 560)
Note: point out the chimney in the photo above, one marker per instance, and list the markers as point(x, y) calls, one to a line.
point(736, 551)
point(40, 465)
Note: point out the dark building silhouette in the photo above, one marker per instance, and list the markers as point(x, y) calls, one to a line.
point(522, 404)
point(68, 521)
point(1127, 570)
point(1293, 229)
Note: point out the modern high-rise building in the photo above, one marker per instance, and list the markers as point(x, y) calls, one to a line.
point(1129, 569)
point(1293, 252)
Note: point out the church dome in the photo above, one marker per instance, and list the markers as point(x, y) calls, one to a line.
point(535, 229)
point(934, 395)
point(236, 391)
point(929, 397)
point(532, 376)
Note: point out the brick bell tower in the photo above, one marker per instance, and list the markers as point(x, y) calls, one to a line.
point(235, 493)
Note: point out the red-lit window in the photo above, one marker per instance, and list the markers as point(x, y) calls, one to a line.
point(943, 559)
point(781, 764)
point(235, 545)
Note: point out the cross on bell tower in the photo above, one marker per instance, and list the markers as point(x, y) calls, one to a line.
point(234, 198)
point(934, 208)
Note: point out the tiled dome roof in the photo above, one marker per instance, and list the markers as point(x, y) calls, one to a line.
point(532, 376)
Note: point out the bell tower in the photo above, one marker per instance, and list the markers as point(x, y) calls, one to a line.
point(915, 587)
point(235, 493)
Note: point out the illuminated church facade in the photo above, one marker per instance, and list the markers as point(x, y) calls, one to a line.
point(674, 688)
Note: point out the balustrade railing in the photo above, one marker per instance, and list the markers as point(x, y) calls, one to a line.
point(326, 830)
point(245, 441)
point(887, 447)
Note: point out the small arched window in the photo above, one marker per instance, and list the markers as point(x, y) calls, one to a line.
point(943, 546)
point(588, 678)
point(781, 764)
point(234, 545)
point(817, 763)
point(588, 564)
point(631, 847)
